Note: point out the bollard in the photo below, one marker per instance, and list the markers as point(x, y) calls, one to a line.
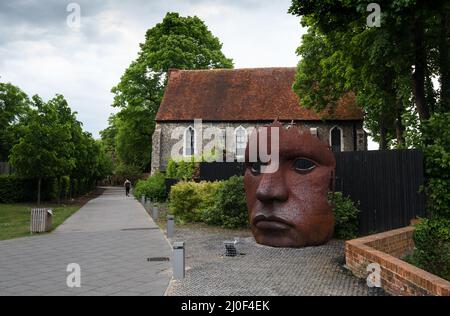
point(170, 226)
point(143, 199)
point(147, 205)
point(155, 212)
point(178, 260)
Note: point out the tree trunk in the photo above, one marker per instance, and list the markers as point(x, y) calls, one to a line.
point(39, 192)
point(383, 135)
point(444, 62)
point(418, 76)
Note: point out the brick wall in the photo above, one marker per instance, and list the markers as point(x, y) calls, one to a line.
point(397, 277)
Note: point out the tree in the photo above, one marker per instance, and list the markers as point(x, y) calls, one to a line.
point(45, 148)
point(14, 105)
point(176, 42)
point(389, 68)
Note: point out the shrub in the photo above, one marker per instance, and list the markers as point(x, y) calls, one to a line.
point(171, 170)
point(184, 169)
point(345, 216)
point(130, 172)
point(436, 145)
point(432, 246)
point(153, 188)
point(230, 207)
point(16, 189)
point(189, 200)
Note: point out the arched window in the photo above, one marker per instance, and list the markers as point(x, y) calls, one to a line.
point(336, 140)
point(189, 142)
point(241, 141)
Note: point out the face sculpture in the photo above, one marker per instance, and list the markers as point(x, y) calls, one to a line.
point(289, 208)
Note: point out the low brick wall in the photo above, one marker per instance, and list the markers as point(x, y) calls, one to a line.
point(397, 277)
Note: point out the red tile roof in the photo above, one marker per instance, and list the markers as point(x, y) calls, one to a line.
point(260, 94)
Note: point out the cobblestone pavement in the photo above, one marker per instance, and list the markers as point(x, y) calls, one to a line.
point(262, 270)
point(111, 238)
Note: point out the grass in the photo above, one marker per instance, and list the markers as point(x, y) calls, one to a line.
point(15, 218)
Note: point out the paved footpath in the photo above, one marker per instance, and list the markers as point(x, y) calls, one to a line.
point(111, 238)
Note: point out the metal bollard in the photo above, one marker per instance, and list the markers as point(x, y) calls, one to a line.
point(155, 212)
point(147, 205)
point(143, 199)
point(170, 226)
point(178, 260)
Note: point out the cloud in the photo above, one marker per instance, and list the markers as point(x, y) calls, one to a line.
point(42, 55)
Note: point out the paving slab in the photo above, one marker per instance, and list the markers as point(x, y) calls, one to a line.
point(111, 238)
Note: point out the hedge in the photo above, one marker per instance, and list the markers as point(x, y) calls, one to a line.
point(154, 188)
point(15, 189)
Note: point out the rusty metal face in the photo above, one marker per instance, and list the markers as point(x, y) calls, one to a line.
point(289, 208)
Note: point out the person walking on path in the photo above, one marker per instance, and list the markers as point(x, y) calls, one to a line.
point(127, 185)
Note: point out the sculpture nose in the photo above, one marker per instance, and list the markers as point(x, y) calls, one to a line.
point(272, 187)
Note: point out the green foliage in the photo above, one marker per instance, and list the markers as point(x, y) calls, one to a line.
point(181, 169)
point(133, 144)
point(51, 144)
point(215, 203)
point(153, 188)
point(15, 189)
point(132, 173)
point(14, 105)
point(432, 246)
point(345, 216)
point(171, 170)
point(176, 42)
point(436, 148)
point(45, 149)
point(230, 207)
point(189, 200)
point(340, 53)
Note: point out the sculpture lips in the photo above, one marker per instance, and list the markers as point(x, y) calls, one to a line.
point(270, 223)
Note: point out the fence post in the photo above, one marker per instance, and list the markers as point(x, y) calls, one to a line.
point(170, 226)
point(178, 260)
point(143, 199)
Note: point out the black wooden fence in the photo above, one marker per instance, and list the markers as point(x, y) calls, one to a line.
point(386, 185)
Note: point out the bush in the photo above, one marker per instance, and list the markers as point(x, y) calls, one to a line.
point(436, 148)
point(432, 246)
point(132, 173)
point(189, 200)
point(345, 216)
point(230, 207)
point(182, 170)
point(15, 189)
point(153, 188)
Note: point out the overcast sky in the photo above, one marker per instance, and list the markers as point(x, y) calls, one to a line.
point(41, 54)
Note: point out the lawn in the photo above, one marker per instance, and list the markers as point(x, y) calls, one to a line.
point(15, 218)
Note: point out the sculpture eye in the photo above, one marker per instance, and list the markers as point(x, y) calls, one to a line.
point(256, 168)
point(303, 165)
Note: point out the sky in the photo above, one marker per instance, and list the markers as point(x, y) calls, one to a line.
point(43, 53)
